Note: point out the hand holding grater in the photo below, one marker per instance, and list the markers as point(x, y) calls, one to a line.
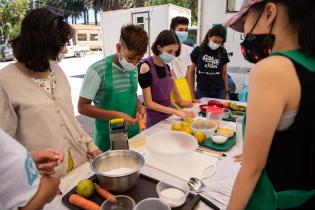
point(118, 134)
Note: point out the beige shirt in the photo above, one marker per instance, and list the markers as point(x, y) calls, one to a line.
point(40, 120)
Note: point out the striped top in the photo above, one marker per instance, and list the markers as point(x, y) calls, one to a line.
point(93, 86)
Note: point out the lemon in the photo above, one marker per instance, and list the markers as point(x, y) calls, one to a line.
point(215, 122)
point(176, 127)
point(200, 136)
point(85, 188)
point(226, 131)
point(211, 124)
point(189, 120)
point(187, 130)
point(185, 124)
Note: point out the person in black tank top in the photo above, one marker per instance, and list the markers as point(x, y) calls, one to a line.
point(291, 159)
point(278, 165)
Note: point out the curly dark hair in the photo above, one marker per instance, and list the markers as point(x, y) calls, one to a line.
point(217, 30)
point(135, 38)
point(166, 37)
point(43, 34)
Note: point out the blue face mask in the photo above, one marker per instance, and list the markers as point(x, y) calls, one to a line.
point(166, 58)
point(125, 64)
point(213, 45)
point(182, 35)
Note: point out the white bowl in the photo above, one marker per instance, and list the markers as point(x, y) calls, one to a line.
point(219, 139)
point(208, 131)
point(171, 146)
point(172, 192)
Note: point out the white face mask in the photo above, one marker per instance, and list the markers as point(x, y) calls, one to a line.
point(125, 64)
point(213, 45)
point(182, 35)
point(166, 58)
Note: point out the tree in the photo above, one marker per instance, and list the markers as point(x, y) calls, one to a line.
point(12, 13)
point(106, 5)
point(134, 3)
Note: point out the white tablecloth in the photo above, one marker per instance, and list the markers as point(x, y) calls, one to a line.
point(223, 178)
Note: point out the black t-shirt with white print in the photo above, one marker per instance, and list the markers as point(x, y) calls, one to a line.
point(209, 67)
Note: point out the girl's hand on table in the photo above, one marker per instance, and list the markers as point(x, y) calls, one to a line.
point(196, 101)
point(184, 114)
point(189, 114)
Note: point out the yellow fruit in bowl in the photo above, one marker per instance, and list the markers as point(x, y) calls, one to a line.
point(187, 130)
point(215, 122)
point(176, 127)
point(226, 131)
point(200, 123)
point(185, 124)
point(189, 120)
point(211, 124)
point(200, 136)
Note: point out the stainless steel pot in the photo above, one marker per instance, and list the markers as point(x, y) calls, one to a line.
point(104, 164)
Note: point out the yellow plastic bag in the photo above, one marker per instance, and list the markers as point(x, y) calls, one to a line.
point(183, 89)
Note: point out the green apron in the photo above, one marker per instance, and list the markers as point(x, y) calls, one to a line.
point(118, 101)
point(265, 197)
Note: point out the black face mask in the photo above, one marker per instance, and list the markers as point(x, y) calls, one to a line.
point(256, 47)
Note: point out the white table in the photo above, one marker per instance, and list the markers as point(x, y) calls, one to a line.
point(225, 175)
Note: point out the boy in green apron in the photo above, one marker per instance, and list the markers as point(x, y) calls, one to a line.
point(111, 84)
point(278, 161)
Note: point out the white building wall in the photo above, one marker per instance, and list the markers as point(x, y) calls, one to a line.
point(111, 25)
point(160, 19)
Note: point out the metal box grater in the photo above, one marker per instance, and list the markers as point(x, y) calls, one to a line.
point(118, 134)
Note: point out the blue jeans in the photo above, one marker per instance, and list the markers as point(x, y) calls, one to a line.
point(220, 94)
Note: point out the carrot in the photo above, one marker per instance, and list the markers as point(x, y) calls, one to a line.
point(104, 193)
point(141, 123)
point(83, 203)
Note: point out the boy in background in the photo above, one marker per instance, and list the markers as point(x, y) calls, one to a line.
point(180, 65)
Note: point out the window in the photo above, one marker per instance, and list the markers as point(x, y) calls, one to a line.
point(93, 37)
point(140, 20)
point(233, 5)
point(82, 37)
